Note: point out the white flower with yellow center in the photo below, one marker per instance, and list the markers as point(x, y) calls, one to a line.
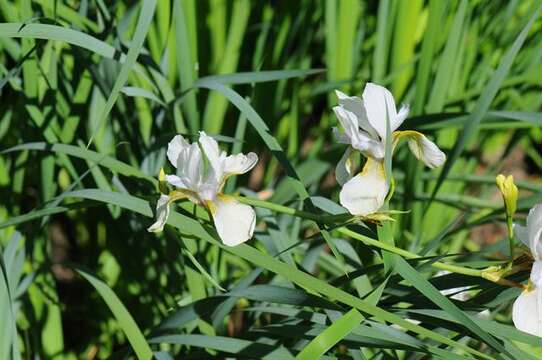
point(364, 123)
point(527, 310)
point(203, 185)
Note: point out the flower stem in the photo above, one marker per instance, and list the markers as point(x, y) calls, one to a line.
point(510, 226)
point(367, 240)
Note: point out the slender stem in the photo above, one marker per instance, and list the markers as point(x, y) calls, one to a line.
point(368, 241)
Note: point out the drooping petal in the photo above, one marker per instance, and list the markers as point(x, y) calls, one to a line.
point(522, 234)
point(534, 228)
point(174, 148)
point(426, 151)
point(423, 148)
point(239, 163)
point(365, 193)
point(527, 312)
point(234, 221)
point(379, 105)
point(359, 140)
point(162, 214)
point(345, 167)
point(355, 105)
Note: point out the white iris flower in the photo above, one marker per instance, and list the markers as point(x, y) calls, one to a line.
point(202, 183)
point(527, 310)
point(364, 123)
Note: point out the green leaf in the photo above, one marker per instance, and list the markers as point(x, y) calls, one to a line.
point(331, 336)
point(126, 322)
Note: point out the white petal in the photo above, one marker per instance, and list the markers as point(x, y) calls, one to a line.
point(240, 163)
point(355, 105)
point(521, 233)
point(211, 149)
point(340, 137)
point(191, 166)
point(401, 116)
point(365, 193)
point(345, 167)
point(348, 121)
point(176, 181)
point(359, 140)
point(234, 221)
point(527, 312)
point(174, 148)
point(426, 150)
point(379, 105)
point(536, 274)
point(534, 228)
point(162, 213)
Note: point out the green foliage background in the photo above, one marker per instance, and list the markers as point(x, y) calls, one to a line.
point(92, 91)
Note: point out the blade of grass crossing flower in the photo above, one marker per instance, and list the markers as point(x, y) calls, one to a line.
point(250, 254)
point(126, 322)
point(143, 23)
point(331, 336)
point(410, 274)
point(483, 103)
point(385, 232)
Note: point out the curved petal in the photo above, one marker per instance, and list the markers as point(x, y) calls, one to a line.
point(176, 181)
point(400, 118)
point(355, 105)
point(426, 151)
point(534, 228)
point(191, 166)
point(174, 149)
point(359, 140)
point(345, 167)
point(365, 193)
point(536, 274)
point(234, 221)
point(162, 214)
point(527, 312)
point(379, 104)
point(212, 151)
point(423, 148)
point(239, 163)
point(522, 234)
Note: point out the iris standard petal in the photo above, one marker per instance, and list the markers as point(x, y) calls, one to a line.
point(176, 181)
point(234, 221)
point(355, 105)
point(365, 193)
point(239, 163)
point(162, 214)
point(400, 118)
point(534, 228)
point(174, 149)
point(379, 105)
point(521, 233)
point(527, 312)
